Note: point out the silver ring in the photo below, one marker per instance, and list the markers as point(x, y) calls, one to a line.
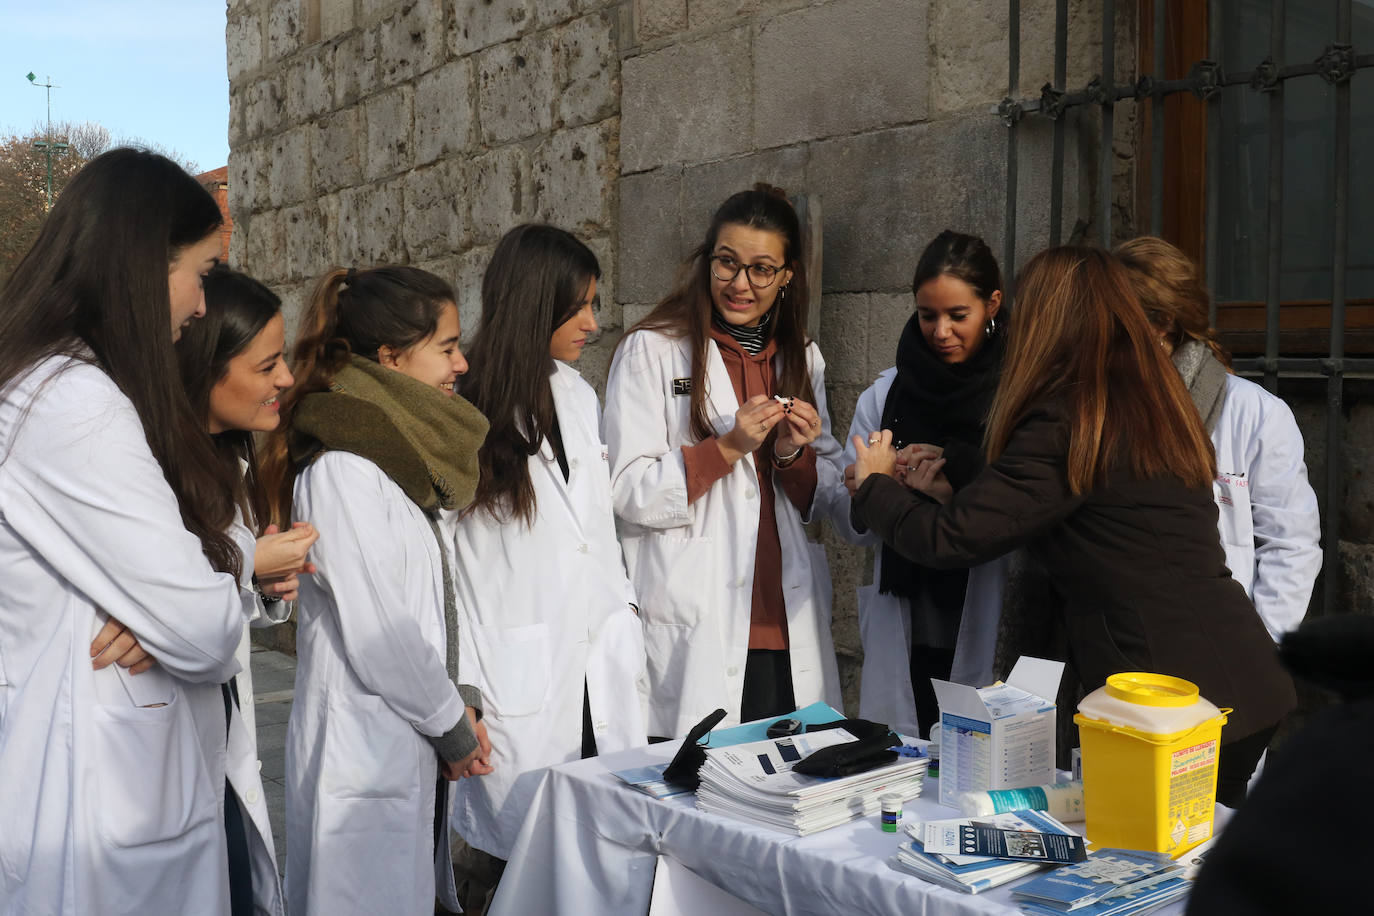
point(874, 440)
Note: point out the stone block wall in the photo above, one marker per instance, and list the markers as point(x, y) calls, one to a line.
point(366, 132)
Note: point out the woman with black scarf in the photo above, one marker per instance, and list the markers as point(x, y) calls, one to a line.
point(917, 623)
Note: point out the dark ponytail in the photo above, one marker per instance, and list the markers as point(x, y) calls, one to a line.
point(350, 312)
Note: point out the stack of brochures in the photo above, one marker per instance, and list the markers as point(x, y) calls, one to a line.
point(755, 782)
point(935, 854)
point(1112, 882)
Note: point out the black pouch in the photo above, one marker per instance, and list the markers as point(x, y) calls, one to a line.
point(849, 758)
point(859, 728)
point(689, 758)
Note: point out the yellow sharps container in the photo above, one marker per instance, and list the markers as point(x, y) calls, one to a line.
point(1150, 748)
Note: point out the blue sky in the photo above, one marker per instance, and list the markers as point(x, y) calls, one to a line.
point(152, 70)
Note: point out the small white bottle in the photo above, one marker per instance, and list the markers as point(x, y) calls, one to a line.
point(1063, 801)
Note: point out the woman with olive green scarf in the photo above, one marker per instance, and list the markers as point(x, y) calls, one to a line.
point(377, 451)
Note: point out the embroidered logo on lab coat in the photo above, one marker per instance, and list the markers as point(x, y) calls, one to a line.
point(682, 387)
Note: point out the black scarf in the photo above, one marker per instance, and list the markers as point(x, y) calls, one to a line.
point(934, 402)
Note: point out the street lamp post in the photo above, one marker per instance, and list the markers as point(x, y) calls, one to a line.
point(48, 145)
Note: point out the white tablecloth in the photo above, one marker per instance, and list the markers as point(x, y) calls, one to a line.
point(589, 844)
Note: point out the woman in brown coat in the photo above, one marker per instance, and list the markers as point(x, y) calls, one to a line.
point(1100, 467)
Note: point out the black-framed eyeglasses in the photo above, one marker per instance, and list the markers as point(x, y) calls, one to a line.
point(760, 276)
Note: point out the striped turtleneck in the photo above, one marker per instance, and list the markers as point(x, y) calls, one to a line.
point(751, 340)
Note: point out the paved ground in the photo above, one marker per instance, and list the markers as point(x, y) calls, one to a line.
point(274, 673)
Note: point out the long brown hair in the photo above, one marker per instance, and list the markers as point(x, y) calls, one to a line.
point(535, 282)
point(1172, 292)
point(350, 312)
point(237, 308)
point(686, 311)
point(96, 278)
point(1080, 336)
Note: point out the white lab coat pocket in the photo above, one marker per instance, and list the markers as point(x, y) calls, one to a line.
point(369, 751)
point(152, 779)
point(675, 577)
point(515, 663)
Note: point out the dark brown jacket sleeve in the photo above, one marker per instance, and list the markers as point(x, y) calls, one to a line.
point(1021, 494)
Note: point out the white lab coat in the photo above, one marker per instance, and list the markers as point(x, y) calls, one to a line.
point(1267, 511)
point(546, 607)
point(692, 566)
point(109, 804)
point(885, 693)
point(260, 614)
point(371, 683)
point(241, 759)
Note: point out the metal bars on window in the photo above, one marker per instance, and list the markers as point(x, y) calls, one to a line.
point(1338, 62)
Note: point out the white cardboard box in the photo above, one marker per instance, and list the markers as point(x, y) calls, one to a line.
point(998, 737)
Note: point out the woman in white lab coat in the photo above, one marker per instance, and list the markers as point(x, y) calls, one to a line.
point(373, 449)
point(233, 364)
point(1267, 511)
point(720, 450)
point(113, 520)
point(915, 622)
point(541, 583)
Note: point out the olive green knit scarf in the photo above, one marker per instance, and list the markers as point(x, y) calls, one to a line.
point(424, 440)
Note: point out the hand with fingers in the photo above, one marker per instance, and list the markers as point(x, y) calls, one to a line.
point(478, 763)
point(802, 427)
point(924, 473)
point(876, 456)
point(282, 556)
point(116, 644)
point(753, 421)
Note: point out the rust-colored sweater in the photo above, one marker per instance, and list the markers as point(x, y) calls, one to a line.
point(753, 375)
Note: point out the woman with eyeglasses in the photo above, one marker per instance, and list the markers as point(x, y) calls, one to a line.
point(917, 622)
point(720, 446)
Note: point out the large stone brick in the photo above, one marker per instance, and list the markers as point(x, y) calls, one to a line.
point(651, 242)
point(703, 14)
point(844, 338)
point(444, 122)
point(370, 220)
point(411, 41)
point(243, 176)
point(310, 86)
point(266, 106)
point(656, 19)
point(355, 67)
point(705, 187)
point(500, 192)
point(307, 244)
point(888, 314)
point(336, 17)
point(515, 89)
point(586, 64)
point(840, 68)
point(435, 211)
point(687, 103)
point(484, 23)
point(335, 151)
point(887, 194)
point(285, 28)
point(574, 176)
point(634, 312)
point(549, 13)
point(288, 176)
point(243, 44)
point(389, 147)
point(969, 55)
point(263, 246)
point(467, 286)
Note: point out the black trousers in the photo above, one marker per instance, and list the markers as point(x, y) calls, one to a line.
point(767, 685)
point(928, 662)
point(1236, 763)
